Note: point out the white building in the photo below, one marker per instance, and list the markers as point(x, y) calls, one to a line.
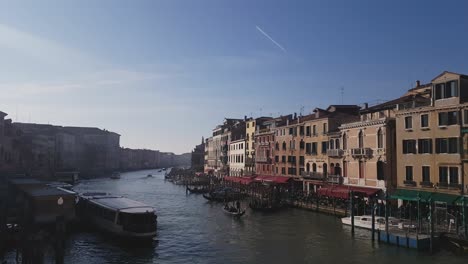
point(237, 157)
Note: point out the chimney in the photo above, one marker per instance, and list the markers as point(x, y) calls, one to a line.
point(366, 105)
point(295, 115)
point(245, 118)
point(418, 83)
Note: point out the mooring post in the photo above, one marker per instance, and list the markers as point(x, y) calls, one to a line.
point(351, 195)
point(431, 223)
point(373, 219)
point(386, 215)
point(464, 217)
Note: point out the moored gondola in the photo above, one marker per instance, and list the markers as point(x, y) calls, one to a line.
point(198, 190)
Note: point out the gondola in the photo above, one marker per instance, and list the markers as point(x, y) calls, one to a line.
point(198, 190)
point(233, 211)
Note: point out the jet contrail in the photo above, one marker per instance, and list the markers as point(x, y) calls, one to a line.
point(270, 38)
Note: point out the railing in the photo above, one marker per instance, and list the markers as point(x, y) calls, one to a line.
point(335, 152)
point(361, 152)
point(262, 159)
point(313, 175)
point(409, 183)
point(426, 184)
point(380, 151)
point(335, 179)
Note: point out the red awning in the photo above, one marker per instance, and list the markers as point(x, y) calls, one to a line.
point(342, 191)
point(274, 179)
point(241, 180)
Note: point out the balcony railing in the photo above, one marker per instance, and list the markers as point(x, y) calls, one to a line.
point(335, 153)
point(313, 175)
point(263, 159)
point(409, 183)
point(335, 179)
point(361, 152)
point(426, 184)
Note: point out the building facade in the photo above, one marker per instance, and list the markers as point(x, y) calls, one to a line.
point(237, 156)
point(432, 140)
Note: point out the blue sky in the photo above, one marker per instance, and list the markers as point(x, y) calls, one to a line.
point(164, 73)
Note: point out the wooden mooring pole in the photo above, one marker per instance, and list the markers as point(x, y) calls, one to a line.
point(351, 195)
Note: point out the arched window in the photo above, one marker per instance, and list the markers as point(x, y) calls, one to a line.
point(337, 169)
point(284, 145)
point(277, 146)
point(380, 139)
point(332, 144)
point(332, 168)
point(314, 167)
point(345, 143)
point(337, 143)
point(308, 167)
point(360, 139)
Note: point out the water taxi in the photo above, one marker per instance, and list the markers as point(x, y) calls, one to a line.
point(365, 221)
point(118, 215)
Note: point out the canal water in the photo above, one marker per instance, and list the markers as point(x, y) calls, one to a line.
point(192, 230)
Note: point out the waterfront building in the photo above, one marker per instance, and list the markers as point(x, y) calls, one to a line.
point(264, 146)
point(251, 127)
point(47, 149)
point(322, 143)
point(237, 157)
point(217, 162)
point(9, 149)
point(366, 148)
point(284, 146)
point(432, 141)
point(197, 157)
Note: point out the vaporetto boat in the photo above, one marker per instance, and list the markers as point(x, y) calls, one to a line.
point(118, 215)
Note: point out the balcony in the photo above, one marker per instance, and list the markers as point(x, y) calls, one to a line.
point(263, 159)
point(361, 152)
point(380, 151)
point(426, 184)
point(335, 179)
point(335, 153)
point(313, 175)
point(442, 185)
point(456, 186)
point(409, 183)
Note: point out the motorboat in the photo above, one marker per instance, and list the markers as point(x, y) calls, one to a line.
point(118, 215)
point(365, 221)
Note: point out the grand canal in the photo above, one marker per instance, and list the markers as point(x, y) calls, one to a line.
point(192, 230)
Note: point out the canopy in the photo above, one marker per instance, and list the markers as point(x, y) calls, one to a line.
point(241, 180)
point(342, 191)
point(414, 195)
point(274, 179)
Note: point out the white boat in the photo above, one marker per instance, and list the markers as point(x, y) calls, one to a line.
point(118, 215)
point(365, 221)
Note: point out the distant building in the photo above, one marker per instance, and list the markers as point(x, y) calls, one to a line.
point(198, 157)
point(9, 148)
point(47, 149)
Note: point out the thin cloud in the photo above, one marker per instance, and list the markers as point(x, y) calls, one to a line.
point(270, 38)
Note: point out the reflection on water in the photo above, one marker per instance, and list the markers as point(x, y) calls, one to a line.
point(192, 230)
